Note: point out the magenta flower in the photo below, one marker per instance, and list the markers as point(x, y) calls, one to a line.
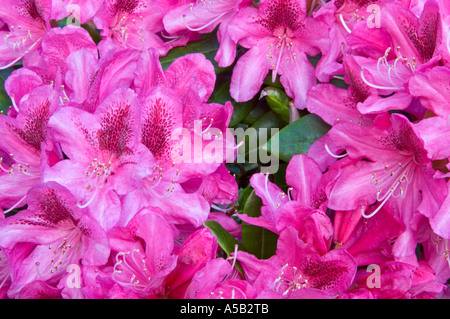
point(219, 279)
point(100, 148)
point(433, 90)
point(26, 21)
point(278, 36)
point(295, 272)
point(176, 100)
point(404, 45)
point(336, 105)
point(61, 232)
point(26, 139)
point(196, 251)
point(302, 207)
point(387, 161)
point(135, 24)
point(203, 17)
point(401, 281)
point(142, 267)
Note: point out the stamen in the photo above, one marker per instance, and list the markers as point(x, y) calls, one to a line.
point(220, 209)
point(448, 40)
point(209, 126)
point(289, 193)
point(15, 205)
point(90, 200)
point(204, 26)
point(332, 154)
point(341, 17)
point(14, 103)
point(275, 72)
point(374, 85)
point(267, 190)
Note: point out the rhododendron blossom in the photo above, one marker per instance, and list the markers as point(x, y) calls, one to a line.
point(224, 149)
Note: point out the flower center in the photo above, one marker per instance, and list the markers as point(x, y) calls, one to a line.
point(392, 74)
point(289, 279)
point(130, 270)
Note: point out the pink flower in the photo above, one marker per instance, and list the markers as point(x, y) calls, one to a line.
point(176, 101)
point(302, 207)
point(101, 148)
point(278, 36)
point(387, 161)
point(61, 234)
point(141, 266)
point(27, 21)
point(400, 281)
point(336, 105)
point(433, 90)
point(403, 46)
point(204, 17)
point(219, 280)
point(80, 10)
point(136, 24)
point(197, 250)
point(26, 144)
point(295, 272)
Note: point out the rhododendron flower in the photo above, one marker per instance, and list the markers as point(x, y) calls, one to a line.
point(295, 271)
point(99, 148)
point(409, 45)
point(178, 103)
point(306, 198)
point(219, 279)
point(61, 232)
point(25, 138)
point(135, 24)
point(141, 267)
point(401, 281)
point(278, 36)
point(390, 162)
point(203, 17)
point(27, 22)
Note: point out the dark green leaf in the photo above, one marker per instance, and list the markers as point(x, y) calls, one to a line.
point(278, 101)
point(240, 110)
point(256, 240)
point(225, 240)
point(5, 101)
point(208, 46)
point(297, 137)
point(263, 127)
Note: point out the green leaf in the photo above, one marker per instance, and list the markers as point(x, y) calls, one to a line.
point(5, 101)
point(258, 110)
point(256, 240)
point(225, 240)
point(278, 101)
point(208, 46)
point(263, 127)
point(297, 137)
point(240, 110)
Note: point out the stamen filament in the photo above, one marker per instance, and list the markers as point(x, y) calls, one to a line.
point(332, 154)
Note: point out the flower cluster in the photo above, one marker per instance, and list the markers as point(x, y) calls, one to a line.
point(120, 176)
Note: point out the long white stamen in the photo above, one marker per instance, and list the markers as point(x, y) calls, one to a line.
point(448, 40)
point(378, 208)
point(266, 186)
point(204, 26)
point(15, 205)
point(90, 200)
point(332, 154)
point(275, 72)
point(376, 86)
point(341, 17)
point(14, 103)
point(220, 209)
